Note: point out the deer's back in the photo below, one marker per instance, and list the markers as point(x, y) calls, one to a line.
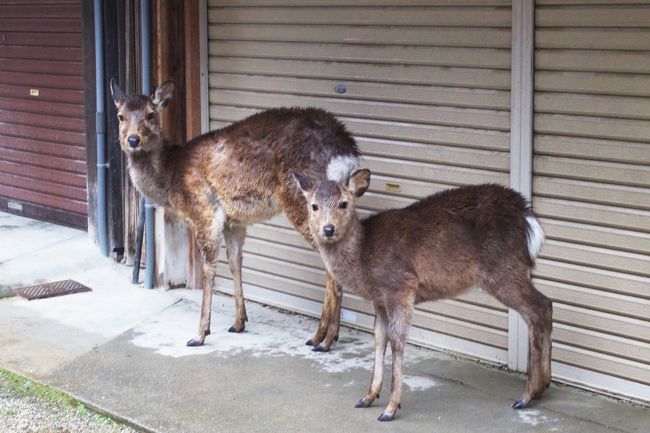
point(248, 164)
point(450, 239)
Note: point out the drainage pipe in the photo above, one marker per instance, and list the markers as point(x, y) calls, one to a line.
point(100, 127)
point(145, 58)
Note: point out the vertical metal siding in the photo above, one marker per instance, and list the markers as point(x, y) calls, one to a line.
point(592, 185)
point(42, 115)
point(427, 99)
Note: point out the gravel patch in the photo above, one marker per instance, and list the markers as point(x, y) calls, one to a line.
point(23, 412)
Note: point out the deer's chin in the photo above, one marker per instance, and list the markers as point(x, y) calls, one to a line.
point(329, 241)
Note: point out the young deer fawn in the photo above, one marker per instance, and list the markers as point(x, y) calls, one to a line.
point(227, 179)
point(439, 247)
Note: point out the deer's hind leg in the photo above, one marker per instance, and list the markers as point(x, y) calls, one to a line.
point(520, 294)
point(234, 236)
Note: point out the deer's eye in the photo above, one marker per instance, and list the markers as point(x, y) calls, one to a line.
point(120, 118)
point(314, 207)
point(343, 205)
point(151, 115)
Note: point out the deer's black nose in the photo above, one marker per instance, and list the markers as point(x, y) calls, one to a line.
point(328, 230)
point(134, 140)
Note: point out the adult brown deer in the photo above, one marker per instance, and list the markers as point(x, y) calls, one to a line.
point(227, 179)
point(439, 247)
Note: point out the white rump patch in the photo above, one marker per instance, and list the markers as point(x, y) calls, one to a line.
point(536, 236)
point(341, 167)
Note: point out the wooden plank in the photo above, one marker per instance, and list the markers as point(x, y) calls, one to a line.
point(619, 347)
point(47, 134)
point(44, 93)
point(431, 153)
point(51, 11)
point(306, 3)
point(621, 16)
point(587, 276)
point(597, 257)
point(55, 202)
point(43, 39)
point(596, 127)
point(467, 313)
point(41, 53)
point(483, 119)
point(597, 149)
point(592, 192)
point(43, 147)
point(593, 39)
point(593, 61)
point(598, 171)
point(419, 94)
point(74, 111)
point(42, 120)
point(29, 183)
point(592, 105)
point(36, 162)
point(625, 240)
point(603, 363)
point(479, 37)
point(603, 322)
point(388, 16)
point(464, 137)
point(433, 172)
point(36, 81)
point(33, 24)
point(77, 180)
point(350, 71)
point(580, 212)
point(414, 55)
point(36, 66)
point(593, 83)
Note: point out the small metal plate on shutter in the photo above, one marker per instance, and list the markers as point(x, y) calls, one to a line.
point(49, 290)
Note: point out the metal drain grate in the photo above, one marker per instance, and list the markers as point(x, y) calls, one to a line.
point(49, 290)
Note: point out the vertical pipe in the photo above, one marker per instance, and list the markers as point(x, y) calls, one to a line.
point(135, 276)
point(145, 50)
point(100, 122)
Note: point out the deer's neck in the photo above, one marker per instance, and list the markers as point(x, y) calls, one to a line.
point(344, 260)
point(150, 176)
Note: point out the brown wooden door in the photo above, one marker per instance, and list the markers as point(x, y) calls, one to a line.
point(42, 112)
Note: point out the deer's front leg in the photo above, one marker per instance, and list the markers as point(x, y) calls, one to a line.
point(381, 338)
point(234, 236)
point(328, 327)
point(209, 241)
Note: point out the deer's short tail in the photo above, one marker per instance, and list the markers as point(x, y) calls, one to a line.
point(341, 167)
point(535, 235)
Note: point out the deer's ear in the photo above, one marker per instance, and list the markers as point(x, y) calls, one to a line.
point(305, 183)
point(359, 182)
point(163, 94)
point(116, 92)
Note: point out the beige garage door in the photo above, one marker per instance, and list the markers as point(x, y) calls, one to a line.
point(592, 188)
point(427, 98)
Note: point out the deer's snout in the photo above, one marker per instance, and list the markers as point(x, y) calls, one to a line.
point(328, 230)
point(133, 140)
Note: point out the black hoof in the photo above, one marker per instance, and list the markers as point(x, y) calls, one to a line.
point(336, 338)
point(385, 417)
point(194, 343)
point(362, 404)
point(207, 332)
point(309, 343)
point(320, 348)
point(235, 330)
point(519, 404)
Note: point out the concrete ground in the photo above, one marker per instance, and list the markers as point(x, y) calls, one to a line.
point(121, 348)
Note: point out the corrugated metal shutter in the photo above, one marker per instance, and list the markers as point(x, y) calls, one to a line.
point(427, 99)
point(592, 187)
point(42, 114)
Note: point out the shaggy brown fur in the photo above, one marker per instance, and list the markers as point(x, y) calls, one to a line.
point(439, 247)
point(227, 179)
